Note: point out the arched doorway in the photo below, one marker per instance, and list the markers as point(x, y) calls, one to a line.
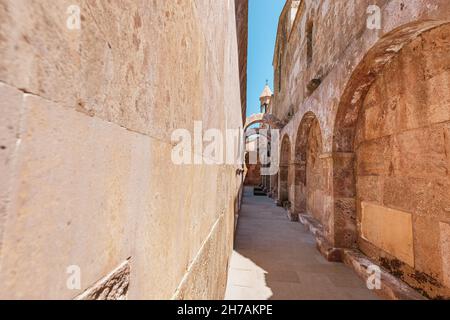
point(310, 182)
point(391, 157)
point(283, 174)
point(267, 122)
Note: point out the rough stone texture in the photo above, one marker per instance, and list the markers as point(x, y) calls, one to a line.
point(391, 287)
point(9, 139)
point(87, 117)
point(314, 174)
point(112, 287)
point(381, 100)
point(401, 142)
point(242, 31)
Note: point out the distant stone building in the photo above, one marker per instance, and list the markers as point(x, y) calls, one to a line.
point(365, 150)
point(253, 175)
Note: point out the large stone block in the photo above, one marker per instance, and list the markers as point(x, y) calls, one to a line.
point(74, 204)
point(389, 229)
point(427, 246)
point(345, 227)
point(370, 188)
point(420, 153)
point(38, 52)
point(419, 196)
point(373, 157)
point(344, 175)
point(379, 112)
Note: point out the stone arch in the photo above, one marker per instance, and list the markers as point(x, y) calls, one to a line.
point(257, 132)
point(254, 119)
point(308, 164)
point(388, 146)
point(283, 174)
point(265, 118)
point(365, 75)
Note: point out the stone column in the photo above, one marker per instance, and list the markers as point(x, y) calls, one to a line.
point(344, 232)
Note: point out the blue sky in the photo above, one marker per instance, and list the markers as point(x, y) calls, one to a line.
point(263, 23)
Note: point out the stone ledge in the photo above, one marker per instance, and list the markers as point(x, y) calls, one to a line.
point(325, 248)
point(392, 288)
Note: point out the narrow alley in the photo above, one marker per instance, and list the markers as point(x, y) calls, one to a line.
point(275, 259)
point(133, 134)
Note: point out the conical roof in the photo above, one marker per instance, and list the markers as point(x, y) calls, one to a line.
point(267, 93)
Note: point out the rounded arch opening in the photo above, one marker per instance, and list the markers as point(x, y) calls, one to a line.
point(309, 163)
point(283, 174)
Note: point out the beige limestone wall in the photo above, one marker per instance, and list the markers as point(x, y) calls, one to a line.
point(242, 31)
point(347, 59)
point(85, 148)
point(403, 163)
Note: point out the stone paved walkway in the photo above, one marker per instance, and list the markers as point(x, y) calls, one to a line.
point(275, 259)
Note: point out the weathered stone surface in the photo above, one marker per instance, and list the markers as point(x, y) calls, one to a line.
point(420, 153)
point(390, 230)
point(242, 34)
point(93, 169)
point(370, 188)
point(344, 223)
point(427, 243)
point(391, 287)
point(72, 190)
point(383, 109)
point(112, 287)
point(373, 158)
point(344, 175)
point(402, 149)
point(10, 121)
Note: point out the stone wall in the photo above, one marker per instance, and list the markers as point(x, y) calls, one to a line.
point(242, 31)
point(314, 174)
point(253, 175)
point(85, 155)
point(402, 147)
point(331, 67)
